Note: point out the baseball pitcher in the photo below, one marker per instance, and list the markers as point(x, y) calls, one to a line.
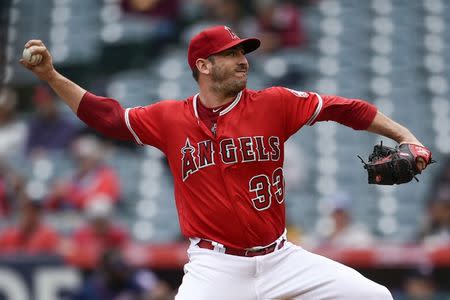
point(225, 150)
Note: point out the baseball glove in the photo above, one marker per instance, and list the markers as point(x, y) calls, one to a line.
point(388, 166)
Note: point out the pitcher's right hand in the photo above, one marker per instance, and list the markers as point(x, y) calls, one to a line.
point(44, 70)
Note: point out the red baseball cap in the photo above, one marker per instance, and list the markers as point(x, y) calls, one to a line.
point(217, 39)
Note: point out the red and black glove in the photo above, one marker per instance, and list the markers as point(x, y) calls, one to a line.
point(388, 166)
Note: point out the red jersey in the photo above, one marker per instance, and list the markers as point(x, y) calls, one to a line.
point(103, 181)
point(43, 239)
point(114, 237)
point(228, 178)
point(229, 187)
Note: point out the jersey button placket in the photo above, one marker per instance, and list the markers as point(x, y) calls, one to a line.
point(206, 130)
point(218, 128)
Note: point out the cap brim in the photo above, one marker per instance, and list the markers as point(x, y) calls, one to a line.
point(249, 45)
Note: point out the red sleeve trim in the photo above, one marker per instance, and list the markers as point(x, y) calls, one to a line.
point(354, 113)
point(105, 115)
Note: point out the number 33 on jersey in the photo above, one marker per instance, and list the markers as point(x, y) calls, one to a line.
point(220, 180)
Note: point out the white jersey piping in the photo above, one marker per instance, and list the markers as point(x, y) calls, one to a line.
point(230, 107)
point(194, 102)
point(235, 102)
point(318, 109)
point(127, 121)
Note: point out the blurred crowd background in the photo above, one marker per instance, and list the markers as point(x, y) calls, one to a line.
point(69, 192)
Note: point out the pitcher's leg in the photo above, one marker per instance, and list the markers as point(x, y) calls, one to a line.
point(216, 276)
point(298, 274)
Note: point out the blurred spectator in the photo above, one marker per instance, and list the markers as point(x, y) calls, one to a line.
point(419, 284)
point(231, 13)
point(92, 178)
point(98, 235)
point(100, 229)
point(30, 235)
point(162, 15)
point(116, 280)
point(167, 9)
point(11, 185)
point(343, 232)
point(227, 12)
point(12, 130)
point(48, 130)
point(279, 25)
point(436, 230)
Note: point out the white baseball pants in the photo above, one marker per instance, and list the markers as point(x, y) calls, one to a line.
point(288, 273)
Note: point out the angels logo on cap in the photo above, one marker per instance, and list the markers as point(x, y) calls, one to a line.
point(233, 35)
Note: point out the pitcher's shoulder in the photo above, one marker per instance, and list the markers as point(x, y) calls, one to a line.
point(162, 108)
point(171, 104)
point(267, 93)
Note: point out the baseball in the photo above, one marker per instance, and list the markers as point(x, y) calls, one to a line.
point(31, 59)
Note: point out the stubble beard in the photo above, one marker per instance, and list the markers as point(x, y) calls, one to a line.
point(226, 83)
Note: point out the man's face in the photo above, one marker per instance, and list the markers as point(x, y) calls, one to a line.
point(229, 71)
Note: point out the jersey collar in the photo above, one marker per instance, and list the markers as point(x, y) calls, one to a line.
point(226, 110)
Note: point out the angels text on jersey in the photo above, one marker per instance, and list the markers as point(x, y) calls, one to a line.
point(229, 151)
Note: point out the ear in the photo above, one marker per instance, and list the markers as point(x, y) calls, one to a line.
point(203, 66)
